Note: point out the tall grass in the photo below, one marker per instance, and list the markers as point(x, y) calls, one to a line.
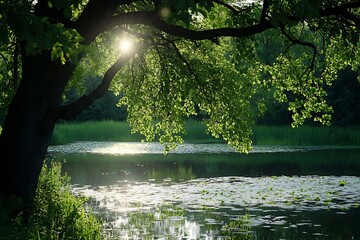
point(117, 131)
point(196, 133)
point(94, 131)
point(306, 135)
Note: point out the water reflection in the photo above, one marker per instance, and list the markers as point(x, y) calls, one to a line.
point(101, 169)
point(297, 193)
point(277, 207)
point(271, 193)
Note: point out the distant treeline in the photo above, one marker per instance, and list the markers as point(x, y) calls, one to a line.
point(343, 96)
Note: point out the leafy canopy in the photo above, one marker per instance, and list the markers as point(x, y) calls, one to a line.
point(190, 56)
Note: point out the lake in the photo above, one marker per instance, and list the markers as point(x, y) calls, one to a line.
point(209, 191)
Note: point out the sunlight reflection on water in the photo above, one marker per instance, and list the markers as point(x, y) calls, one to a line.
point(132, 148)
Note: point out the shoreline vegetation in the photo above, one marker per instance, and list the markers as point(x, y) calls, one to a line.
point(54, 214)
point(196, 133)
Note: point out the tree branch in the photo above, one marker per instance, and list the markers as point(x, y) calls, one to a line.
point(338, 10)
point(151, 18)
point(343, 10)
point(94, 17)
point(67, 112)
point(97, 17)
point(187, 64)
point(228, 6)
point(42, 8)
point(352, 17)
point(303, 43)
point(264, 10)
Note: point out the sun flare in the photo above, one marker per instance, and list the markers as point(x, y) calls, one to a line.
point(125, 45)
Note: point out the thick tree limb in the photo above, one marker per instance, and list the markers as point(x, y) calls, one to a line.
point(338, 10)
point(352, 17)
point(67, 112)
point(343, 10)
point(98, 17)
point(94, 17)
point(151, 18)
point(264, 10)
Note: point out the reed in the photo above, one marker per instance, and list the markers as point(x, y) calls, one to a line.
point(306, 135)
point(93, 131)
point(196, 133)
point(118, 131)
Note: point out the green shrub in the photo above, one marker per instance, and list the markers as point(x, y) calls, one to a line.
point(56, 213)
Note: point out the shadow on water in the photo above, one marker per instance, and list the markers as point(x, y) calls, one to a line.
point(310, 194)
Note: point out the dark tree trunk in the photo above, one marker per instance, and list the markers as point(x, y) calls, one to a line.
point(29, 124)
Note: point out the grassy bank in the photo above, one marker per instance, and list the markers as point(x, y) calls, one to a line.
point(263, 135)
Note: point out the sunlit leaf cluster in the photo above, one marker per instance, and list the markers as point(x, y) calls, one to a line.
point(166, 84)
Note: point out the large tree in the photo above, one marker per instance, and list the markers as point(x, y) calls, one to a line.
point(187, 56)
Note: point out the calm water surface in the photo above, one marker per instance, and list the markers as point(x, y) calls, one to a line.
point(208, 191)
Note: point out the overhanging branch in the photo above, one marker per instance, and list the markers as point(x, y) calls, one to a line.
point(352, 17)
point(338, 10)
point(303, 43)
point(343, 10)
point(151, 18)
point(97, 18)
point(69, 111)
